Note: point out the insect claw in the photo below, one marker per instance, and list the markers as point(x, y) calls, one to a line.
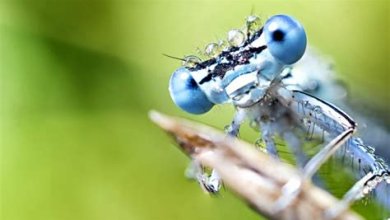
point(210, 185)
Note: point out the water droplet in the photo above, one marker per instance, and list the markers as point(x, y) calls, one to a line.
point(199, 51)
point(370, 149)
point(212, 50)
point(380, 160)
point(366, 190)
point(223, 45)
point(317, 110)
point(253, 124)
point(387, 178)
point(191, 61)
point(260, 145)
point(236, 38)
point(253, 23)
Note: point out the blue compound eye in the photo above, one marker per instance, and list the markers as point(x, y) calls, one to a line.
point(186, 93)
point(285, 38)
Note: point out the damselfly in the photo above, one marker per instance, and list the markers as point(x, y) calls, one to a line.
point(256, 73)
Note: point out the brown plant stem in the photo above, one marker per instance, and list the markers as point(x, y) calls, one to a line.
point(252, 175)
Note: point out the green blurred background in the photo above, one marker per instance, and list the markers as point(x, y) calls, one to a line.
point(78, 78)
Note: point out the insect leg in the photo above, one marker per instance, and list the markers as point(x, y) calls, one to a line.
point(358, 191)
point(377, 178)
point(294, 143)
point(321, 157)
point(337, 123)
point(193, 170)
point(365, 158)
point(209, 183)
point(267, 135)
point(296, 147)
point(325, 116)
point(234, 128)
point(212, 183)
point(293, 187)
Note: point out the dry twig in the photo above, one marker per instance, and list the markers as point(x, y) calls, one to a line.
point(252, 175)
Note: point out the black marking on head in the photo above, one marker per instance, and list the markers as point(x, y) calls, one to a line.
point(222, 68)
point(204, 64)
point(278, 35)
point(229, 57)
point(206, 79)
point(288, 75)
point(209, 62)
point(252, 51)
point(233, 60)
point(256, 35)
point(227, 53)
point(257, 49)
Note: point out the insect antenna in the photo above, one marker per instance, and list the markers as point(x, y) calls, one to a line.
point(188, 61)
point(173, 57)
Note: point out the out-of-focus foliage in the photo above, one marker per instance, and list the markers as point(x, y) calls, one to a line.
point(78, 77)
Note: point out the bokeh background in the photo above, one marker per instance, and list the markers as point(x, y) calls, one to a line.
point(78, 78)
